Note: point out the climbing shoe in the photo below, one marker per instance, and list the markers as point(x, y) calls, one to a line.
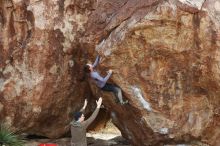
point(124, 102)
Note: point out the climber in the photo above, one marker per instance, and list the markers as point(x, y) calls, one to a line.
point(102, 82)
point(79, 125)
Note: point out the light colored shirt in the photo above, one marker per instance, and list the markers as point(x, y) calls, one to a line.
point(99, 80)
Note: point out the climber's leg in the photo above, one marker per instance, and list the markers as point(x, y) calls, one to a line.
point(116, 90)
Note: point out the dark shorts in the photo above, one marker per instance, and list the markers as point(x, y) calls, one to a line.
point(110, 88)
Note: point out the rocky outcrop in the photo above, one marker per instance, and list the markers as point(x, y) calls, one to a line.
point(165, 60)
point(39, 65)
point(164, 55)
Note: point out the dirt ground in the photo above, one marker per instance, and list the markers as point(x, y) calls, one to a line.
point(109, 136)
point(91, 141)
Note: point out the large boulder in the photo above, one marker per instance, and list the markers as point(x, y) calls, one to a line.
point(39, 87)
point(164, 56)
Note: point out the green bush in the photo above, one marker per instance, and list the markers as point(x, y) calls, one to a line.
point(8, 138)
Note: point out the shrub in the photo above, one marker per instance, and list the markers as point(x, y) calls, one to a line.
point(8, 138)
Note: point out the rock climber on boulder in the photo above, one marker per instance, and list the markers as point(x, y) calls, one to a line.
point(102, 82)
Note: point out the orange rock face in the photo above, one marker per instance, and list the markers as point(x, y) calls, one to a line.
point(164, 56)
point(39, 65)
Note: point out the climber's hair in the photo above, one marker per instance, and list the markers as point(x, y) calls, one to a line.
point(86, 71)
point(86, 68)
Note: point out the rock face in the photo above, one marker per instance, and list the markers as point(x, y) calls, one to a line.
point(38, 68)
point(164, 55)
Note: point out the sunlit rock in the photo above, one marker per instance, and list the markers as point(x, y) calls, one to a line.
point(164, 55)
